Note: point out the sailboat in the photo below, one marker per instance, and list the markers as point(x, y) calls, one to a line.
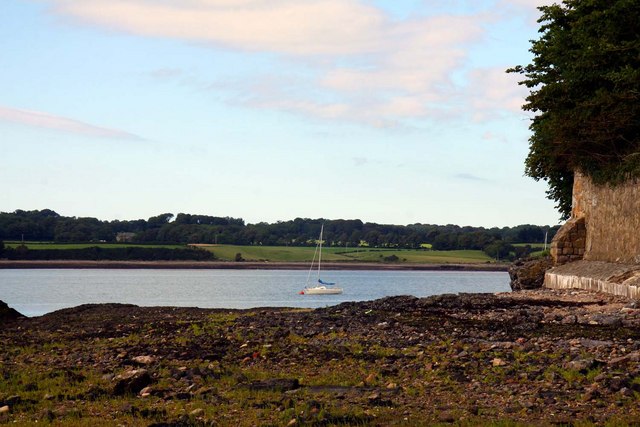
point(322, 288)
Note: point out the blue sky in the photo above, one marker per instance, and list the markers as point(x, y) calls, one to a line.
point(386, 111)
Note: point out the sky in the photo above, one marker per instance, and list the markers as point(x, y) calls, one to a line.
point(388, 111)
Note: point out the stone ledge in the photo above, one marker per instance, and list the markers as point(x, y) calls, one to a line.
point(607, 277)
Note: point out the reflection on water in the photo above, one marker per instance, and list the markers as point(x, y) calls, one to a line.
point(39, 291)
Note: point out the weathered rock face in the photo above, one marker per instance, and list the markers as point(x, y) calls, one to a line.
point(7, 313)
point(529, 273)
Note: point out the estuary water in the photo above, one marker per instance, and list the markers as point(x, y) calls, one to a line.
point(34, 292)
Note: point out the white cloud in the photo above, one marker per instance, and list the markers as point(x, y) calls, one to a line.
point(528, 4)
point(492, 91)
point(40, 120)
point(166, 73)
point(361, 64)
point(283, 26)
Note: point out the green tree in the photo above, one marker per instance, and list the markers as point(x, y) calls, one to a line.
point(159, 220)
point(499, 250)
point(584, 86)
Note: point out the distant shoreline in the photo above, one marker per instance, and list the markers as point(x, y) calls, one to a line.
point(246, 265)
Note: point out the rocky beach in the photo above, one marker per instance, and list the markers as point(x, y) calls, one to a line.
point(533, 357)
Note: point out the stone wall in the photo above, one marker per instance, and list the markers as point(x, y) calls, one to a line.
point(612, 219)
point(568, 244)
point(604, 231)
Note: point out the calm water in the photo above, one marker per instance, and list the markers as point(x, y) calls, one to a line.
point(36, 292)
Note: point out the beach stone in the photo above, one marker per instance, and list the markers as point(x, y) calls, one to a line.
point(370, 379)
point(580, 364)
point(145, 392)
point(591, 393)
point(197, 412)
point(606, 320)
point(144, 360)
point(618, 383)
point(131, 382)
point(498, 362)
point(623, 360)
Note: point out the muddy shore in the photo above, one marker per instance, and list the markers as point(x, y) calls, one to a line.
point(538, 357)
point(249, 265)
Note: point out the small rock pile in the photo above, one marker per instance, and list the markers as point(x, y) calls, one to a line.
point(529, 273)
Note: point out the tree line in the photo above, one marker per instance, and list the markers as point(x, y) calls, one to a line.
point(47, 225)
point(95, 253)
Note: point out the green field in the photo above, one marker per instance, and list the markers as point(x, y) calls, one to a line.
point(533, 245)
point(296, 253)
point(305, 254)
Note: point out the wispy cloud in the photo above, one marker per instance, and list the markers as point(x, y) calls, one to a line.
point(469, 177)
point(283, 26)
point(492, 91)
point(41, 120)
point(359, 161)
point(166, 73)
point(365, 65)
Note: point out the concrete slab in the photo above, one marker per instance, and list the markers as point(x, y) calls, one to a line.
point(611, 278)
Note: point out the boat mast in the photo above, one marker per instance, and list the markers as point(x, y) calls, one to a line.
point(320, 251)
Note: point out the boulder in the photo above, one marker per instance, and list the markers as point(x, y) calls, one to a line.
point(529, 273)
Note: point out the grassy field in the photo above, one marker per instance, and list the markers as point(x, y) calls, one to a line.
point(305, 254)
point(297, 254)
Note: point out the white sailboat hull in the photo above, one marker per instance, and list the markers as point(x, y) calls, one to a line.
point(322, 290)
point(319, 289)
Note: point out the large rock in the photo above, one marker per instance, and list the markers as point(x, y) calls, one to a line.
point(7, 313)
point(529, 273)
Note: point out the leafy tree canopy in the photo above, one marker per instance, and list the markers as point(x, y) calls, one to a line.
point(584, 86)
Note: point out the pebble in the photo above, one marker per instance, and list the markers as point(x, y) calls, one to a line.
point(370, 380)
point(197, 412)
point(145, 392)
point(498, 362)
point(144, 360)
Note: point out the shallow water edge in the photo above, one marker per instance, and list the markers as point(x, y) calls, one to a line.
point(250, 265)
